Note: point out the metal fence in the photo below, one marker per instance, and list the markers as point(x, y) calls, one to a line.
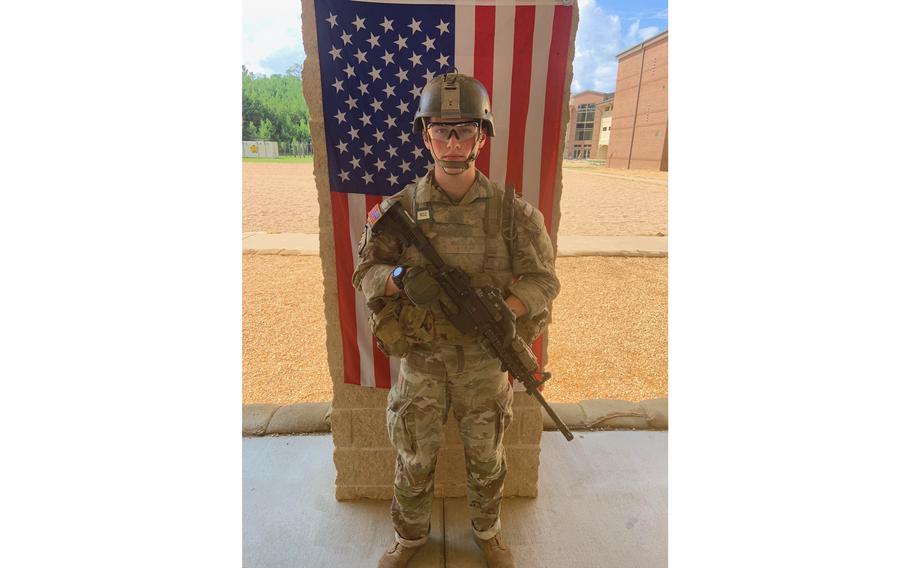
point(296, 149)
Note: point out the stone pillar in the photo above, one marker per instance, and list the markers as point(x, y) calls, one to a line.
point(365, 460)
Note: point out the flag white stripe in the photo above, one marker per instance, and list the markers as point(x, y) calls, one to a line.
point(543, 33)
point(502, 91)
point(356, 219)
point(464, 39)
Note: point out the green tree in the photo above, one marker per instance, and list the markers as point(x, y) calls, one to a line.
point(279, 100)
point(250, 132)
point(304, 129)
point(266, 130)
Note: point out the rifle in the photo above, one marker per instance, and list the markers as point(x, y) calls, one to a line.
point(478, 310)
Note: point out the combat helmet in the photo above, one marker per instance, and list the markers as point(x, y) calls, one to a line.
point(456, 96)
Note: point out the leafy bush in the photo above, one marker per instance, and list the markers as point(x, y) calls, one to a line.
point(274, 108)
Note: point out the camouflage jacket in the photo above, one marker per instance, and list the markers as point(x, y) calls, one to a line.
point(472, 235)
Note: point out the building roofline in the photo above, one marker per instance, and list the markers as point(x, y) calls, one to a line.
point(642, 44)
point(572, 96)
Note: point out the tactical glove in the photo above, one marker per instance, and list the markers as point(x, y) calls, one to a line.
point(421, 288)
point(507, 328)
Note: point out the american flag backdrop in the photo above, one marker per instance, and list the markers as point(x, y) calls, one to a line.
point(374, 60)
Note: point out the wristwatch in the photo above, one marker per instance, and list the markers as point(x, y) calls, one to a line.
point(398, 274)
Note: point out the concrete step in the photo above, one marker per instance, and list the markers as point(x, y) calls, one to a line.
point(596, 414)
point(567, 245)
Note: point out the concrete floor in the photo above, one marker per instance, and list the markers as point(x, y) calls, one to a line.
point(602, 503)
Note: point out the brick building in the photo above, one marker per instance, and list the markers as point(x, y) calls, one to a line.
point(638, 133)
point(585, 135)
point(605, 112)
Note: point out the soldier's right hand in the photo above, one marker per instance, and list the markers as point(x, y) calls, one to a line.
point(420, 287)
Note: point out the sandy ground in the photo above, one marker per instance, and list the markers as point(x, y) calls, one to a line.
point(614, 347)
point(281, 198)
point(608, 338)
point(588, 166)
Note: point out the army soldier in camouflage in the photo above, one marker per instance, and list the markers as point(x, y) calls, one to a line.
point(499, 241)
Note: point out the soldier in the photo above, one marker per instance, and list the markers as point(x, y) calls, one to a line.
point(498, 240)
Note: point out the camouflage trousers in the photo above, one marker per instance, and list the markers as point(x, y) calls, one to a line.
point(431, 381)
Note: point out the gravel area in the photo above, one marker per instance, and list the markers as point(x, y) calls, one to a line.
point(608, 338)
point(284, 352)
point(281, 198)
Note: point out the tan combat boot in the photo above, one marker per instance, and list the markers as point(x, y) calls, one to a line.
point(397, 556)
point(495, 552)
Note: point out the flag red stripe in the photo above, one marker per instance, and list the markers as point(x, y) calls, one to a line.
point(484, 32)
point(380, 361)
point(522, 49)
point(553, 119)
point(552, 125)
point(344, 267)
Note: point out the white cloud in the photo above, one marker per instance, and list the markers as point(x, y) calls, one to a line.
point(633, 30)
point(637, 34)
point(597, 42)
point(647, 33)
point(599, 39)
point(270, 27)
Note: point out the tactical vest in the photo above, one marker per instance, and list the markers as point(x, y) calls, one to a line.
point(475, 237)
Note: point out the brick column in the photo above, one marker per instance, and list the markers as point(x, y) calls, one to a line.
point(365, 460)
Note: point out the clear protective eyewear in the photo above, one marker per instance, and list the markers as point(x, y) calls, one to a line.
point(464, 131)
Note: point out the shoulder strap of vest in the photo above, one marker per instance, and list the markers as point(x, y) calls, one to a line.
point(491, 221)
point(408, 197)
point(508, 222)
point(497, 219)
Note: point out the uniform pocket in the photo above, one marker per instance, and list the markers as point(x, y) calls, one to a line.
point(384, 323)
point(400, 434)
point(416, 323)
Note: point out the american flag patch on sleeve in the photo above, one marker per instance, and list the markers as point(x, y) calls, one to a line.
point(374, 214)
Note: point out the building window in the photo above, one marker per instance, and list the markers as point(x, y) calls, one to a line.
point(584, 123)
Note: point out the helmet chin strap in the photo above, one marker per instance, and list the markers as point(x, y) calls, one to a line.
point(460, 165)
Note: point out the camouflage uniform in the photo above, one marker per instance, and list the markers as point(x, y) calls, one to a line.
point(443, 367)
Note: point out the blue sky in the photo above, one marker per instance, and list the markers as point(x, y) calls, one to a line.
point(272, 43)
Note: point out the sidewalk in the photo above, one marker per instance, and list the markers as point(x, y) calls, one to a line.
point(568, 245)
point(602, 502)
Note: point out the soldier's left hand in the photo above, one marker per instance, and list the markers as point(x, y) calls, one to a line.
point(508, 325)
